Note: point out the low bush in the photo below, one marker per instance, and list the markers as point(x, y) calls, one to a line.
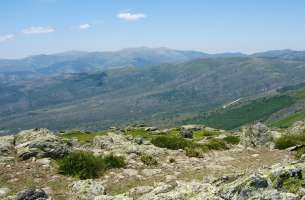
point(170, 142)
point(148, 160)
point(232, 139)
point(82, 165)
point(216, 144)
point(85, 165)
point(300, 152)
point(195, 151)
point(112, 161)
point(287, 141)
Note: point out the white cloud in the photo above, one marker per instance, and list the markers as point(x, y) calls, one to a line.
point(4, 38)
point(38, 30)
point(84, 26)
point(131, 16)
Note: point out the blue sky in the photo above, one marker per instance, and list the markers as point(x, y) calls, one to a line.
point(47, 26)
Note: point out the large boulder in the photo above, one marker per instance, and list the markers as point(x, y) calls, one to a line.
point(257, 135)
point(87, 189)
point(297, 128)
point(40, 143)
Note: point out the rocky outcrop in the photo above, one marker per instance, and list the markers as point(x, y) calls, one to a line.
point(40, 143)
point(297, 128)
point(257, 135)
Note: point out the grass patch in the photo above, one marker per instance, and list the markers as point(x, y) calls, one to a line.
point(112, 161)
point(199, 135)
point(300, 152)
point(85, 165)
point(171, 142)
point(288, 121)
point(232, 139)
point(82, 137)
point(287, 141)
point(192, 148)
point(149, 160)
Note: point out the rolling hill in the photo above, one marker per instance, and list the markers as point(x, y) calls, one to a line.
point(167, 94)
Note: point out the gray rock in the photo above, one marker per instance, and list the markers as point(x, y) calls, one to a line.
point(32, 194)
point(297, 128)
point(186, 133)
point(40, 143)
point(87, 189)
point(257, 135)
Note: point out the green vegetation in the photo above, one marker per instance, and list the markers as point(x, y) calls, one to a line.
point(192, 148)
point(195, 151)
point(112, 161)
point(171, 142)
point(85, 165)
point(300, 152)
point(216, 144)
point(232, 139)
point(149, 160)
point(288, 121)
point(300, 94)
point(289, 183)
point(287, 141)
point(293, 184)
point(199, 135)
point(82, 137)
point(259, 109)
point(82, 165)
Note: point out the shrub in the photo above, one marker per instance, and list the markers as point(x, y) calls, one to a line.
point(170, 142)
point(82, 165)
point(172, 160)
point(85, 165)
point(300, 152)
point(216, 144)
point(112, 161)
point(287, 141)
point(194, 152)
point(149, 160)
point(232, 139)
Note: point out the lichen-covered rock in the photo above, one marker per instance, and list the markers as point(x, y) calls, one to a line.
point(87, 189)
point(40, 143)
point(257, 135)
point(245, 187)
point(32, 194)
point(297, 128)
point(7, 149)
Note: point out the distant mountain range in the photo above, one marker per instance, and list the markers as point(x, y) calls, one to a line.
point(167, 93)
point(79, 61)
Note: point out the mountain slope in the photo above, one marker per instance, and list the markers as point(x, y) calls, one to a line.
point(167, 94)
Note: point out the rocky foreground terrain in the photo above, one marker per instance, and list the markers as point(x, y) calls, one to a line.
point(214, 164)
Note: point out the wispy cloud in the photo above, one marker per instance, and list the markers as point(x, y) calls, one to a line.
point(84, 26)
point(4, 38)
point(38, 30)
point(131, 16)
